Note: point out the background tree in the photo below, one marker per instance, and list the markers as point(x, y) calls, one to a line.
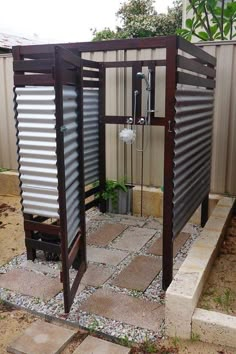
point(211, 20)
point(139, 18)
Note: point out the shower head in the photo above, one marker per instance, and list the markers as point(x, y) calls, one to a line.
point(141, 75)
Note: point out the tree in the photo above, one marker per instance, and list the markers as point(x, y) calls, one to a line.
point(212, 20)
point(139, 18)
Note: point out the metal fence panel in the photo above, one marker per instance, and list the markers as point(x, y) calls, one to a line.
point(37, 150)
point(192, 152)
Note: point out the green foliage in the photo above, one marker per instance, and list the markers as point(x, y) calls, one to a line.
point(139, 19)
point(125, 342)
point(111, 191)
point(4, 169)
point(195, 337)
point(225, 300)
point(212, 20)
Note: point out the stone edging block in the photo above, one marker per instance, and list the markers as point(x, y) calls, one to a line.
point(214, 327)
point(183, 293)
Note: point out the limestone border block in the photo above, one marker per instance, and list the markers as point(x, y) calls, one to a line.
point(183, 293)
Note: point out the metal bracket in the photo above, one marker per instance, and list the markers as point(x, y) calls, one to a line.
point(169, 125)
point(63, 129)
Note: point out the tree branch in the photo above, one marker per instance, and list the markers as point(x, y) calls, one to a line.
point(222, 18)
point(208, 23)
point(217, 21)
point(199, 17)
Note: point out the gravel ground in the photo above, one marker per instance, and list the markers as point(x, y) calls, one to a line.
point(54, 307)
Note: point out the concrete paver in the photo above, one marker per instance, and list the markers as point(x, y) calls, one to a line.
point(96, 275)
point(41, 338)
point(107, 233)
point(30, 283)
point(92, 345)
point(124, 308)
point(103, 255)
point(134, 238)
point(180, 240)
point(139, 273)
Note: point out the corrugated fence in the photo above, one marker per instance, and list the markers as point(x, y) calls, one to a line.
point(118, 101)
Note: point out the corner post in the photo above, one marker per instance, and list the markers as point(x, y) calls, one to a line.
point(168, 235)
point(102, 134)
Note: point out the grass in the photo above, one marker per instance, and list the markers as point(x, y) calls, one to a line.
point(4, 169)
point(194, 337)
point(93, 326)
point(176, 341)
point(225, 300)
point(125, 342)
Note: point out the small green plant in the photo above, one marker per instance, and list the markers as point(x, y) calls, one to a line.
point(93, 326)
point(149, 346)
point(225, 299)
point(136, 293)
point(176, 341)
point(125, 341)
point(111, 191)
point(195, 337)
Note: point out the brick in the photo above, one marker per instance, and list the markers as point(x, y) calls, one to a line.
point(105, 234)
point(139, 273)
point(124, 308)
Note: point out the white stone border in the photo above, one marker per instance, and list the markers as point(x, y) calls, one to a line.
point(185, 290)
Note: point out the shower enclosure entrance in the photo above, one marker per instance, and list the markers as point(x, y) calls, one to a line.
point(60, 103)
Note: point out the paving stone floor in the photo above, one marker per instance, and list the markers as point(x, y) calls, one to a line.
point(121, 290)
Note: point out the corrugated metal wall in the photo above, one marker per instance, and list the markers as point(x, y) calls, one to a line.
point(119, 102)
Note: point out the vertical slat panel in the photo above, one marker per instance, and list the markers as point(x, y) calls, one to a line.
point(231, 155)
point(8, 157)
point(221, 118)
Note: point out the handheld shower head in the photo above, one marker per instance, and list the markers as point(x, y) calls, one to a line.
point(141, 76)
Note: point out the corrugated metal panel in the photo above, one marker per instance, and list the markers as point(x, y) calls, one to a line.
point(71, 154)
point(192, 152)
point(91, 135)
point(37, 150)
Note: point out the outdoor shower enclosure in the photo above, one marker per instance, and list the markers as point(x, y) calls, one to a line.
point(60, 105)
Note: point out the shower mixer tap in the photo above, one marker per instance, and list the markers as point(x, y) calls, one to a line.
point(130, 120)
point(142, 121)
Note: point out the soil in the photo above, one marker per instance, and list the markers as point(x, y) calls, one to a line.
point(219, 293)
point(11, 229)
point(12, 323)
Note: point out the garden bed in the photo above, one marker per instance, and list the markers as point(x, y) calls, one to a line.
point(219, 293)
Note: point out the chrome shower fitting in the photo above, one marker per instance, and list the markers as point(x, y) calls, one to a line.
point(147, 79)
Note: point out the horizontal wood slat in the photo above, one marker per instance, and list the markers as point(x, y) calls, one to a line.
point(90, 73)
point(192, 65)
point(188, 79)
point(36, 226)
point(130, 63)
point(34, 66)
point(195, 51)
point(35, 80)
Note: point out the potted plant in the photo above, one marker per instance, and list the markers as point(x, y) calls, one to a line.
point(118, 196)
